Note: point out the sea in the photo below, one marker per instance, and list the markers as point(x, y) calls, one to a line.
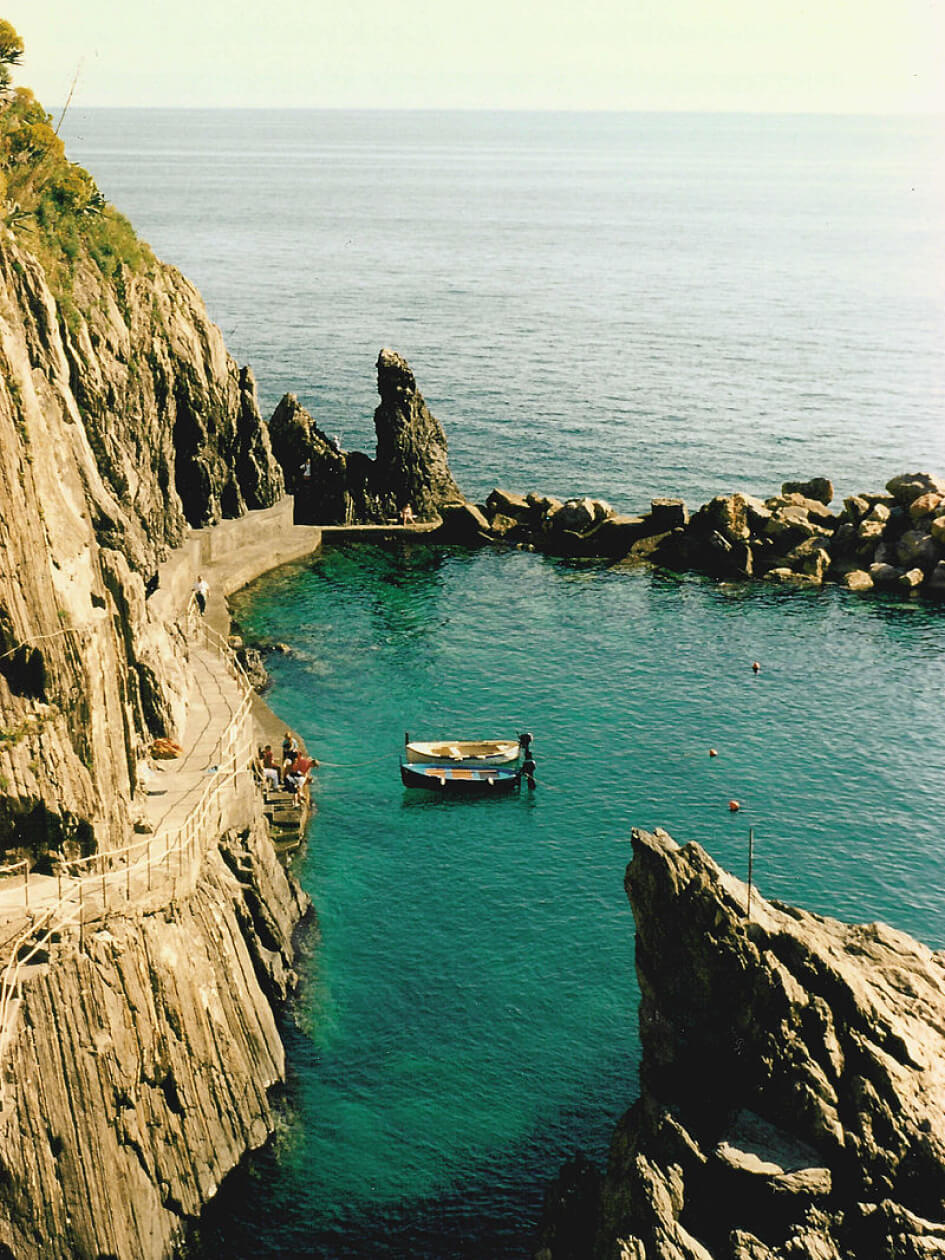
point(619, 305)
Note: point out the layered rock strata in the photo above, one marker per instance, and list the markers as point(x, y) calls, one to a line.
point(893, 540)
point(135, 1062)
point(792, 1086)
point(139, 1070)
point(410, 466)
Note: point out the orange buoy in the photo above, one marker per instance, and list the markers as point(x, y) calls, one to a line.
point(755, 666)
point(734, 806)
point(713, 753)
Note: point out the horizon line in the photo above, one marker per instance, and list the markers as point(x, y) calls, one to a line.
point(521, 109)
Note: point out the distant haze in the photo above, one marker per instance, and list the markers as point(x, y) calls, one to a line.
point(830, 56)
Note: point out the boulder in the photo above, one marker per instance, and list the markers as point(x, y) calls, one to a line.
point(917, 547)
point(726, 514)
point(667, 514)
point(936, 582)
point(782, 576)
point(911, 579)
point(907, 487)
point(790, 525)
point(819, 488)
point(579, 515)
point(870, 531)
point(884, 574)
point(616, 535)
point(462, 523)
point(937, 529)
point(925, 505)
point(880, 512)
point(856, 506)
point(809, 557)
point(857, 580)
point(508, 504)
point(500, 524)
point(757, 512)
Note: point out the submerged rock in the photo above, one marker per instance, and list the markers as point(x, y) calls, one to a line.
point(792, 1086)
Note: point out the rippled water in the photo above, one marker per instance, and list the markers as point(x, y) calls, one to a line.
point(615, 304)
point(623, 305)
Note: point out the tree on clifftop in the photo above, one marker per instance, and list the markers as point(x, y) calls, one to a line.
point(11, 50)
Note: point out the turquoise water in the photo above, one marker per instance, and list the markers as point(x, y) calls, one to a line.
point(467, 1018)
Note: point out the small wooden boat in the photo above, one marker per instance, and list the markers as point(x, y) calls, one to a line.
point(450, 777)
point(464, 752)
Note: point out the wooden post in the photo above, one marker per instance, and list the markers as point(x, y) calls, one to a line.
point(751, 855)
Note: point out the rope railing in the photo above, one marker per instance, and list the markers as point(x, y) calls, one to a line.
point(159, 865)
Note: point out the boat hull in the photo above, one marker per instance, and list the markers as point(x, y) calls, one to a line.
point(463, 752)
point(451, 777)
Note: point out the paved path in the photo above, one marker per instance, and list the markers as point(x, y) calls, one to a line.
point(178, 783)
point(169, 799)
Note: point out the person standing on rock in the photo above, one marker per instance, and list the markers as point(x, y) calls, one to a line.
point(201, 592)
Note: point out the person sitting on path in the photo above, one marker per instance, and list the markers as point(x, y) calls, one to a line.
point(270, 769)
point(406, 515)
point(201, 593)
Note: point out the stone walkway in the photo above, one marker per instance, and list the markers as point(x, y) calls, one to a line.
point(177, 784)
point(169, 799)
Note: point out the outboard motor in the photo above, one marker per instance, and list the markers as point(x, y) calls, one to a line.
point(528, 771)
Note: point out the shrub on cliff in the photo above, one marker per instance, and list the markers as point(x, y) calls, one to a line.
point(52, 204)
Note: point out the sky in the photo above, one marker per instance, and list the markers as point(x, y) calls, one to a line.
point(819, 56)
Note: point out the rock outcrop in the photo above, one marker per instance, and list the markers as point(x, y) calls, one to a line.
point(410, 467)
point(792, 1086)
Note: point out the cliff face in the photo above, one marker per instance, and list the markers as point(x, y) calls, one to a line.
point(117, 428)
point(792, 1088)
point(411, 464)
point(139, 1070)
point(135, 1060)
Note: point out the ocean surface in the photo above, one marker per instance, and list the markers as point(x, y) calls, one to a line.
point(621, 305)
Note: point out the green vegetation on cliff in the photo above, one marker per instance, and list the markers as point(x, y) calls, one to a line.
point(53, 204)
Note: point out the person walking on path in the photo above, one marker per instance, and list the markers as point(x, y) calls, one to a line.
point(201, 592)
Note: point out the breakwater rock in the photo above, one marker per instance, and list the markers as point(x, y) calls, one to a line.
point(891, 540)
point(792, 1086)
point(410, 467)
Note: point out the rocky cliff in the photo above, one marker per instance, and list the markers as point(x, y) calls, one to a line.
point(135, 1060)
point(410, 467)
point(119, 428)
point(140, 1071)
point(792, 1087)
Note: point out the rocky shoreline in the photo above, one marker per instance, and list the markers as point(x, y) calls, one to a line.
point(792, 1086)
point(892, 540)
